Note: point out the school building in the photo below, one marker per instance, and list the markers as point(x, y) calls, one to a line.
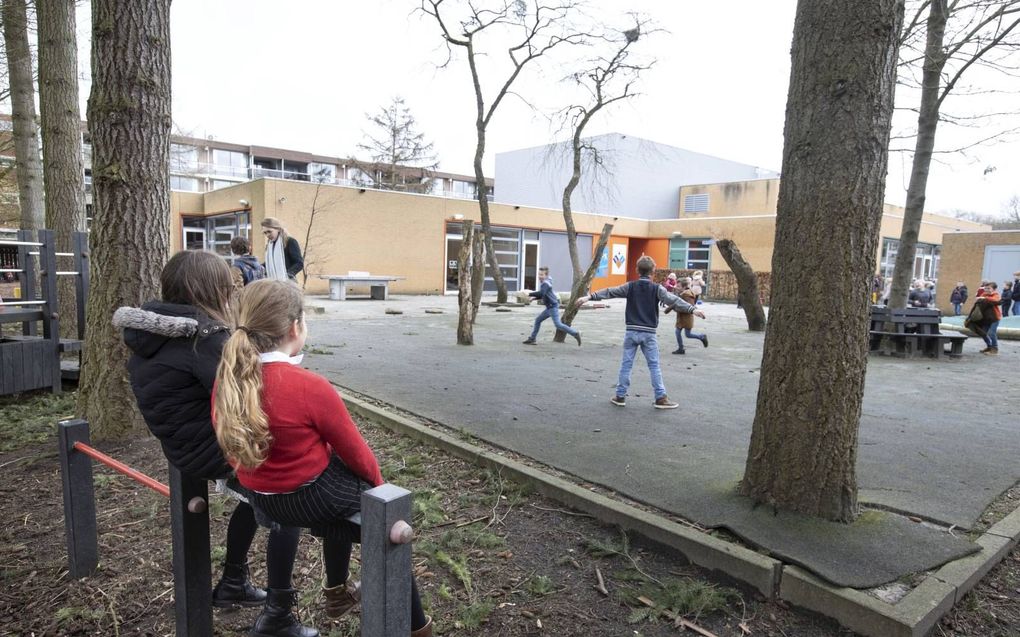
point(668, 203)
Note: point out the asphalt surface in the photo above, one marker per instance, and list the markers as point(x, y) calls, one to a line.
point(938, 439)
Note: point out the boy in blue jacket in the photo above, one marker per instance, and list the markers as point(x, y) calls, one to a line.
point(552, 308)
point(642, 315)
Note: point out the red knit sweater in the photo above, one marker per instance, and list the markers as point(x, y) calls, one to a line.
point(306, 419)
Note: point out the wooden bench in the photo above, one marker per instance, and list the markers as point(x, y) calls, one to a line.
point(378, 285)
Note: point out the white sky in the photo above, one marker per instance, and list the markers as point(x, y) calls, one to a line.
point(302, 75)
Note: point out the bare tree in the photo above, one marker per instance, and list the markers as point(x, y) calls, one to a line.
point(606, 79)
point(1012, 211)
point(803, 447)
point(397, 145)
point(322, 202)
point(129, 122)
point(539, 27)
point(26, 135)
point(959, 36)
point(63, 171)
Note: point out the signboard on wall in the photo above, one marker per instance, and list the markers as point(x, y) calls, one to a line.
point(603, 264)
point(619, 258)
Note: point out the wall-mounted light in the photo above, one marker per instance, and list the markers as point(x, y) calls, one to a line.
point(677, 233)
point(517, 207)
point(243, 202)
point(457, 217)
point(282, 199)
point(361, 190)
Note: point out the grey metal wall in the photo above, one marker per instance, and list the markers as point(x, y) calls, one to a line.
point(553, 252)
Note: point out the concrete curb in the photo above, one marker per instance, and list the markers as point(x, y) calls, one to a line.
point(915, 615)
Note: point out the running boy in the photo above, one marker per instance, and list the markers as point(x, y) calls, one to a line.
point(642, 316)
point(552, 308)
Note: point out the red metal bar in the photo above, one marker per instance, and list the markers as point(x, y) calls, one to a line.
point(120, 467)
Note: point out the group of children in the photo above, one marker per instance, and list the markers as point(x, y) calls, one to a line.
point(217, 378)
point(644, 297)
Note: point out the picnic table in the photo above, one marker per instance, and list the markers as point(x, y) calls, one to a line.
point(379, 285)
point(911, 332)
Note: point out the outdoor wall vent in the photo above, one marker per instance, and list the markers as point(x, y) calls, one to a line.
point(696, 203)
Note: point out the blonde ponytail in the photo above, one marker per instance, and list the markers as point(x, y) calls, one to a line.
point(242, 428)
point(265, 311)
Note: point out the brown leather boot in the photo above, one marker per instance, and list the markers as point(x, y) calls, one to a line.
point(341, 598)
point(424, 631)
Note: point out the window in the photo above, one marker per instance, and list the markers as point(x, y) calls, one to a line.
point(690, 254)
point(926, 259)
point(230, 162)
point(219, 183)
point(187, 184)
point(322, 173)
point(696, 203)
point(183, 159)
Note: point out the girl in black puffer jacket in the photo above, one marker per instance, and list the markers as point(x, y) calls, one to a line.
point(176, 345)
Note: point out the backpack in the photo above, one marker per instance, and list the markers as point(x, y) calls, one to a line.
point(249, 271)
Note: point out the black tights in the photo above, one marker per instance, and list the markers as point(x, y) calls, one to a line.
point(280, 550)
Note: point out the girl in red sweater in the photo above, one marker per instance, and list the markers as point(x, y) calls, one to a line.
point(292, 443)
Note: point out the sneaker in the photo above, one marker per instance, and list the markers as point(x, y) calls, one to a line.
point(529, 341)
point(619, 401)
point(679, 351)
point(991, 351)
point(577, 337)
point(704, 340)
point(665, 403)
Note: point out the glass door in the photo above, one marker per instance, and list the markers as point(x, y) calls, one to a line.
point(530, 265)
point(194, 238)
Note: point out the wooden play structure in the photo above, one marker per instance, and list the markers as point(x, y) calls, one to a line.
point(27, 360)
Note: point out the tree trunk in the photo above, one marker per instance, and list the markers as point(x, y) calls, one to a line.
point(61, 141)
point(803, 446)
point(568, 192)
point(465, 324)
point(477, 275)
point(747, 284)
point(927, 122)
point(581, 284)
point(483, 207)
point(26, 135)
point(129, 121)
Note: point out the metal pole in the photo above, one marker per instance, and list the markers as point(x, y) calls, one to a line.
point(385, 565)
point(191, 565)
point(79, 499)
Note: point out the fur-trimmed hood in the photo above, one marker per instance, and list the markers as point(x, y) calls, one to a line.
point(148, 328)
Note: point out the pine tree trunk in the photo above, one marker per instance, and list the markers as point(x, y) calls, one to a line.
point(581, 284)
point(927, 122)
point(465, 323)
point(803, 448)
point(129, 121)
point(26, 135)
point(61, 141)
point(747, 284)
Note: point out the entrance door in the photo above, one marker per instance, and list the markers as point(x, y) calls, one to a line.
point(530, 265)
point(194, 238)
point(453, 243)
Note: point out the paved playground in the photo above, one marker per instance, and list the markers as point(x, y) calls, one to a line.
point(938, 439)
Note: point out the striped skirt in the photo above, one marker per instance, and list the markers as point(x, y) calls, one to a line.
point(322, 506)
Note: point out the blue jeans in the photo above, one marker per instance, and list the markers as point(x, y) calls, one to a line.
point(690, 334)
point(956, 308)
point(991, 335)
point(649, 345)
point(554, 314)
point(1016, 308)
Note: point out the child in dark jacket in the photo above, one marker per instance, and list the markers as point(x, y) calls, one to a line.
point(642, 315)
point(294, 445)
point(176, 344)
point(547, 296)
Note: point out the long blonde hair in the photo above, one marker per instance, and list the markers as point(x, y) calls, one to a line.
point(266, 310)
point(275, 224)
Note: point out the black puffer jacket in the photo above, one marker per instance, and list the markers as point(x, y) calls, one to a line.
point(175, 351)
